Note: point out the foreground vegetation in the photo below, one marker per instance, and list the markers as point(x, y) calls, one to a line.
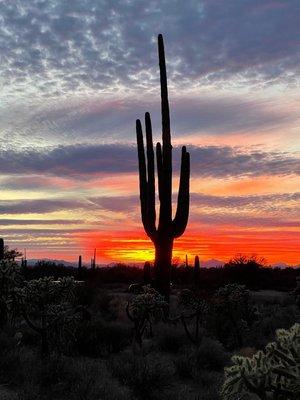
point(62, 338)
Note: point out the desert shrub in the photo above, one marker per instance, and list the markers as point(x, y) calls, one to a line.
point(184, 363)
point(65, 378)
point(100, 338)
point(270, 318)
point(193, 311)
point(211, 355)
point(29, 337)
point(147, 376)
point(53, 373)
point(103, 304)
point(94, 382)
point(269, 374)
point(85, 295)
point(210, 383)
point(191, 362)
point(9, 357)
point(170, 338)
point(188, 392)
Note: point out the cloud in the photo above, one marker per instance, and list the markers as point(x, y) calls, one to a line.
point(41, 206)
point(99, 119)
point(83, 161)
point(58, 46)
point(43, 232)
point(8, 221)
point(244, 221)
point(121, 204)
point(267, 201)
point(228, 161)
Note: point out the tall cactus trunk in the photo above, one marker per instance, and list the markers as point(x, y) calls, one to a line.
point(162, 266)
point(167, 229)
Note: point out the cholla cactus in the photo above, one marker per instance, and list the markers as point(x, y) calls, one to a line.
point(233, 313)
point(270, 374)
point(148, 304)
point(45, 305)
point(144, 309)
point(10, 280)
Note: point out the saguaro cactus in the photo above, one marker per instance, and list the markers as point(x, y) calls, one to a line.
point(167, 229)
point(93, 260)
point(196, 270)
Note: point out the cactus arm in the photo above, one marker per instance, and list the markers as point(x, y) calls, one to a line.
point(182, 212)
point(151, 215)
point(142, 175)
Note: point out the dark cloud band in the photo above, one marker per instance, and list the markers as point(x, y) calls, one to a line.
point(90, 160)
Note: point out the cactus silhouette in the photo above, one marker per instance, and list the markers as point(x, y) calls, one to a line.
point(93, 260)
point(196, 270)
point(186, 261)
point(167, 229)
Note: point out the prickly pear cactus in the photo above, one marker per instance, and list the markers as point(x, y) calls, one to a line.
point(270, 374)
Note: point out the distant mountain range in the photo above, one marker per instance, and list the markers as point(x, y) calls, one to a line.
point(213, 263)
point(283, 265)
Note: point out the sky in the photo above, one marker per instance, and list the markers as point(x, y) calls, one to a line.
point(75, 75)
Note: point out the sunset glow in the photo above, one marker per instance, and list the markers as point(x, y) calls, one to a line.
point(71, 89)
